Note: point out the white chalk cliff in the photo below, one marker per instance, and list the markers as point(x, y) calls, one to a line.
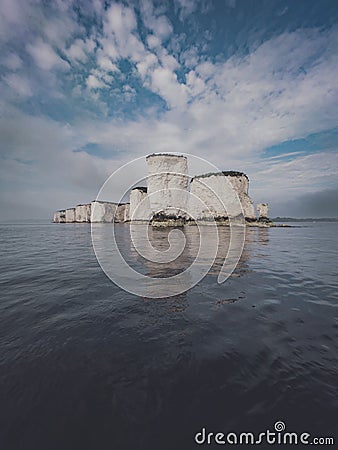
point(139, 208)
point(167, 184)
point(221, 195)
point(169, 197)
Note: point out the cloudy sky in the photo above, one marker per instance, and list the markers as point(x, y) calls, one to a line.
point(89, 85)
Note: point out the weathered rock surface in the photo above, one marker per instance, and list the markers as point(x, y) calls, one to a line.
point(59, 216)
point(167, 178)
point(263, 212)
point(82, 213)
point(167, 201)
point(120, 213)
point(102, 211)
point(70, 215)
point(127, 212)
point(221, 195)
point(139, 209)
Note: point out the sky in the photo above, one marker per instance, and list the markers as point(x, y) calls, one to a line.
point(86, 86)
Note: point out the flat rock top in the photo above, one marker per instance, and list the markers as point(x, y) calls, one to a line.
point(166, 155)
point(227, 173)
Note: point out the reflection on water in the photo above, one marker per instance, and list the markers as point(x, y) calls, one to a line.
point(163, 262)
point(85, 365)
point(263, 235)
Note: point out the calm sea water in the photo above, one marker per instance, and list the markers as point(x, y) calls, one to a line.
point(85, 365)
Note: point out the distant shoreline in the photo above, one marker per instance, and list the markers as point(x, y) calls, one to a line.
point(275, 219)
point(308, 219)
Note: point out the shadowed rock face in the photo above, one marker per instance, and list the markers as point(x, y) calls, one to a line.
point(167, 178)
point(120, 213)
point(139, 209)
point(127, 212)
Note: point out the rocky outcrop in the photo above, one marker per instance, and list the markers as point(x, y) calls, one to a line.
point(70, 215)
point(263, 212)
point(240, 184)
point(82, 213)
point(127, 212)
point(120, 213)
point(139, 209)
point(96, 212)
point(220, 195)
point(167, 182)
point(169, 200)
point(102, 212)
point(59, 216)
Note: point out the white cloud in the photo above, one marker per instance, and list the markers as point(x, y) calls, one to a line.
point(159, 24)
point(94, 83)
point(120, 20)
point(12, 61)
point(120, 34)
point(106, 64)
point(153, 41)
point(167, 60)
point(147, 64)
point(19, 84)
point(165, 83)
point(60, 29)
point(129, 92)
point(185, 8)
point(45, 56)
point(195, 84)
point(190, 57)
point(11, 11)
point(162, 27)
point(76, 51)
point(80, 50)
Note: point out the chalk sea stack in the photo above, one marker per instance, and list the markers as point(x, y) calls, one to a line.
point(167, 188)
point(263, 213)
point(171, 198)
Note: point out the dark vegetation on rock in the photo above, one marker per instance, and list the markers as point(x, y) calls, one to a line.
point(227, 173)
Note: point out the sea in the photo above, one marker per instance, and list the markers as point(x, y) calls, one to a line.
point(85, 365)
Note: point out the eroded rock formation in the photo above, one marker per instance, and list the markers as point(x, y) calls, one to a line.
point(59, 216)
point(139, 209)
point(169, 200)
point(120, 213)
point(263, 212)
point(82, 213)
point(221, 195)
point(70, 215)
point(102, 211)
point(167, 184)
